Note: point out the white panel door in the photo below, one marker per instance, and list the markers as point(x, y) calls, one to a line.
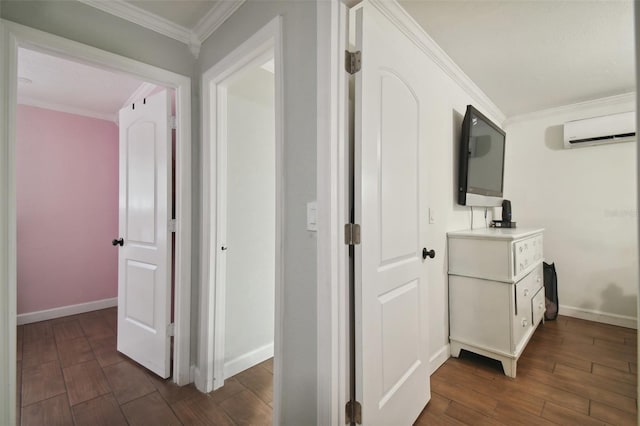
point(144, 261)
point(392, 358)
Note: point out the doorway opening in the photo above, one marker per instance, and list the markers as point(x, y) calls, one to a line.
point(242, 214)
point(246, 219)
point(77, 144)
point(25, 40)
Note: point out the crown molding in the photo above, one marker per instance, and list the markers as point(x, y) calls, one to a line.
point(405, 22)
point(131, 13)
point(193, 38)
point(25, 100)
point(144, 90)
point(616, 100)
point(215, 17)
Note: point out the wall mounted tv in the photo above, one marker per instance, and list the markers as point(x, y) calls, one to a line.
point(481, 165)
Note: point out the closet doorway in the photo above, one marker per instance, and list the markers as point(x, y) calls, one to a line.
point(242, 215)
point(246, 220)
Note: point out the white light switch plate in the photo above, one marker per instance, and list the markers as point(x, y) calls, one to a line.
point(312, 216)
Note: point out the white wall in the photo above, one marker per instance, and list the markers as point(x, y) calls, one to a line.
point(446, 108)
point(250, 284)
point(585, 198)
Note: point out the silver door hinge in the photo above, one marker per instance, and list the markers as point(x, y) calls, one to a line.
point(353, 412)
point(351, 234)
point(172, 225)
point(352, 61)
point(172, 121)
point(171, 329)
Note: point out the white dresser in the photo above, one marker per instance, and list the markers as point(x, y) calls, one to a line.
point(496, 292)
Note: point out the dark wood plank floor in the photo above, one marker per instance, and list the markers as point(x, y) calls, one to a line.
point(69, 373)
point(573, 372)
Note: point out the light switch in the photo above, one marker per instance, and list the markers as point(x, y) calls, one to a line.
point(432, 216)
point(312, 216)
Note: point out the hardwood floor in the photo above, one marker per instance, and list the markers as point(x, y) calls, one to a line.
point(573, 372)
point(69, 373)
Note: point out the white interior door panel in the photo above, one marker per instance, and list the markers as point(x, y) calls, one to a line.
point(144, 261)
point(392, 368)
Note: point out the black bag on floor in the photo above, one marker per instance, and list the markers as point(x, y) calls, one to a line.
point(550, 291)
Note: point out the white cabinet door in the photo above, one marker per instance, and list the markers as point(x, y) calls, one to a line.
point(392, 360)
point(144, 279)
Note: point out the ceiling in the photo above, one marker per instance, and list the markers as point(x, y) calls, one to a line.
point(68, 86)
point(525, 55)
point(530, 55)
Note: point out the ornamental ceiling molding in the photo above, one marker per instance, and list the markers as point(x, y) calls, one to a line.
point(192, 37)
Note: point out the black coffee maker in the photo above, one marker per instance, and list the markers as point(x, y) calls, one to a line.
point(506, 217)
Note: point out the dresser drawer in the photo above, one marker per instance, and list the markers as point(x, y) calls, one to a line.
point(525, 292)
point(538, 306)
point(526, 253)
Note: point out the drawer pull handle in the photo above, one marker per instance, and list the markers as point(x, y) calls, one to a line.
point(526, 292)
point(525, 322)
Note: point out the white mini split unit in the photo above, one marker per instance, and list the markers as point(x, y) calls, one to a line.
point(612, 128)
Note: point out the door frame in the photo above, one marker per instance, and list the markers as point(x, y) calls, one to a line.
point(332, 186)
point(12, 37)
point(210, 372)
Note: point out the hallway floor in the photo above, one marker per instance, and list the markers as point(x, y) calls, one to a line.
point(69, 373)
point(572, 372)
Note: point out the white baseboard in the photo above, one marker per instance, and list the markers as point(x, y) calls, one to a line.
point(247, 360)
point(197, 379)
point(439, 358)
point(597, 316)
point(64, 311)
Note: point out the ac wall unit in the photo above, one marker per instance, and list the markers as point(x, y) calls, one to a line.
point(600, 130)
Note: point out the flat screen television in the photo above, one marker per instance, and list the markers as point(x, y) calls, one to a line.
point(481, 165)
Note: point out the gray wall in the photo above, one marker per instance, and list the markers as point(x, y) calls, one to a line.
point(298, 365)
point(637, 39)
point(77, 21)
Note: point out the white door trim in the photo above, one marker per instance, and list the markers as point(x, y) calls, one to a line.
point(15, 36)
point(333, 212)
point(267, 39)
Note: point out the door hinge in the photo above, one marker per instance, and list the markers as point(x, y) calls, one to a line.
point(172, 225)
point(353, 412)
point(352, 61)
point(351, 234)
point(171, 329)
point(172, 121)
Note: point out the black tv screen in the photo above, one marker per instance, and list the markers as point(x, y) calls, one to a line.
point(481, 165)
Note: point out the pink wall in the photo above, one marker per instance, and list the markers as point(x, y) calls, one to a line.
point(67, 209)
